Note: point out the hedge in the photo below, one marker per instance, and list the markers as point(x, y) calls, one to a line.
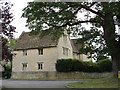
point(70, 65)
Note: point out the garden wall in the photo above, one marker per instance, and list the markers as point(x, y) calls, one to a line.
point(59, 75)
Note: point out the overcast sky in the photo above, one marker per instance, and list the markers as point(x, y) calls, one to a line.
point(19, 22)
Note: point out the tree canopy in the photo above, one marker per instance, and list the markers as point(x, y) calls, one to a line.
point(58, 15)
point(6, 28)
point(6, 19)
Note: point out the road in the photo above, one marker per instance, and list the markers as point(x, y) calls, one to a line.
point(34, 84)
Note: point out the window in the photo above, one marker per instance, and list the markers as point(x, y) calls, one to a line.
point(65, 51)
point(24, 66)
point(40, 66)
point(24, 52)
point(40, 51)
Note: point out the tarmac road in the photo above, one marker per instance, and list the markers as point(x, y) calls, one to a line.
point(33, 84)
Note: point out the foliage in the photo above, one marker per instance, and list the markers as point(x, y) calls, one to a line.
point(11, 43)
point(70, 65)
point(105, 65)
point(6, 57)
point(90, 67)
point(7, 30)
point(65, 15)
point(6, 18)
point(6, 53)
point(7, 71)
point(94, 43)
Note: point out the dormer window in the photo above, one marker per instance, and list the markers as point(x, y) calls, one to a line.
point(24, 52)
point(40, 51)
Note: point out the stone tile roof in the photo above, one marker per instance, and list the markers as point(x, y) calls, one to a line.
point(27, 41)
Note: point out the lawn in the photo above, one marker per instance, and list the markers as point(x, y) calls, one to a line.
point(96, 83)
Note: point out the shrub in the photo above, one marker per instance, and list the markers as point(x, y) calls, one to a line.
point(63, 65)
point(77, 65)
point(90, 67)
point(7, 71)
point(105, 65)
point(68, 65)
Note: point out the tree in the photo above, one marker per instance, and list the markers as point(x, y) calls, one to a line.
point(6, 19)
point(93, 43)
point(11, 43)
point(58, 15)
point(6, 30)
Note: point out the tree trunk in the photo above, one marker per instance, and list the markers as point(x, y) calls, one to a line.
point(111, 42)
point(116, 64)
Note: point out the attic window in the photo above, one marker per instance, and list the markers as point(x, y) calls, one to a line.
point(40, 51)
point(24, 52)
point(65, 51)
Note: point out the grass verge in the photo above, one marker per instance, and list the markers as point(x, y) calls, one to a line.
point(42, 79)
point(96, 83)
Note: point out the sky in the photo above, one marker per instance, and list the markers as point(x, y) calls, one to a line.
point(19, 22)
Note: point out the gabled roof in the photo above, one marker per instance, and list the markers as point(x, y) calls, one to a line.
point(27, 41)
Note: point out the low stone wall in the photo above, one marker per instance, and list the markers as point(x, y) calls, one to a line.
point(59, 75)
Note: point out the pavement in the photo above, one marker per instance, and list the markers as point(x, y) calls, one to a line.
point(33, 84)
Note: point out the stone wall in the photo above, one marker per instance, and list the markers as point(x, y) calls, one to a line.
point(59, 75)
point(32, 59)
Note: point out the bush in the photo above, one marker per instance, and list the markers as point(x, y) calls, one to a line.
point(90, 67)
point(7, 71)
point(105, 65)
point(69, 65)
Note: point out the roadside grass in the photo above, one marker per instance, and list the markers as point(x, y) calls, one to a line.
point(95, 83)
point(61, 79)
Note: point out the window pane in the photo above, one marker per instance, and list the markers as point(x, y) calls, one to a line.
point(24, 66)
point(24, 52)
point(40, 51)
point(40, 66)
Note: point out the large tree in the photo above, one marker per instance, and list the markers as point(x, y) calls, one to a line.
point(58, 15)
point(6, 31)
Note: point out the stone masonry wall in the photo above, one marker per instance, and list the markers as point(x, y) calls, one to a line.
point(59, 75)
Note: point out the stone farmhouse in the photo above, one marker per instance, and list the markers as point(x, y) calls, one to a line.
point(35, 54)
